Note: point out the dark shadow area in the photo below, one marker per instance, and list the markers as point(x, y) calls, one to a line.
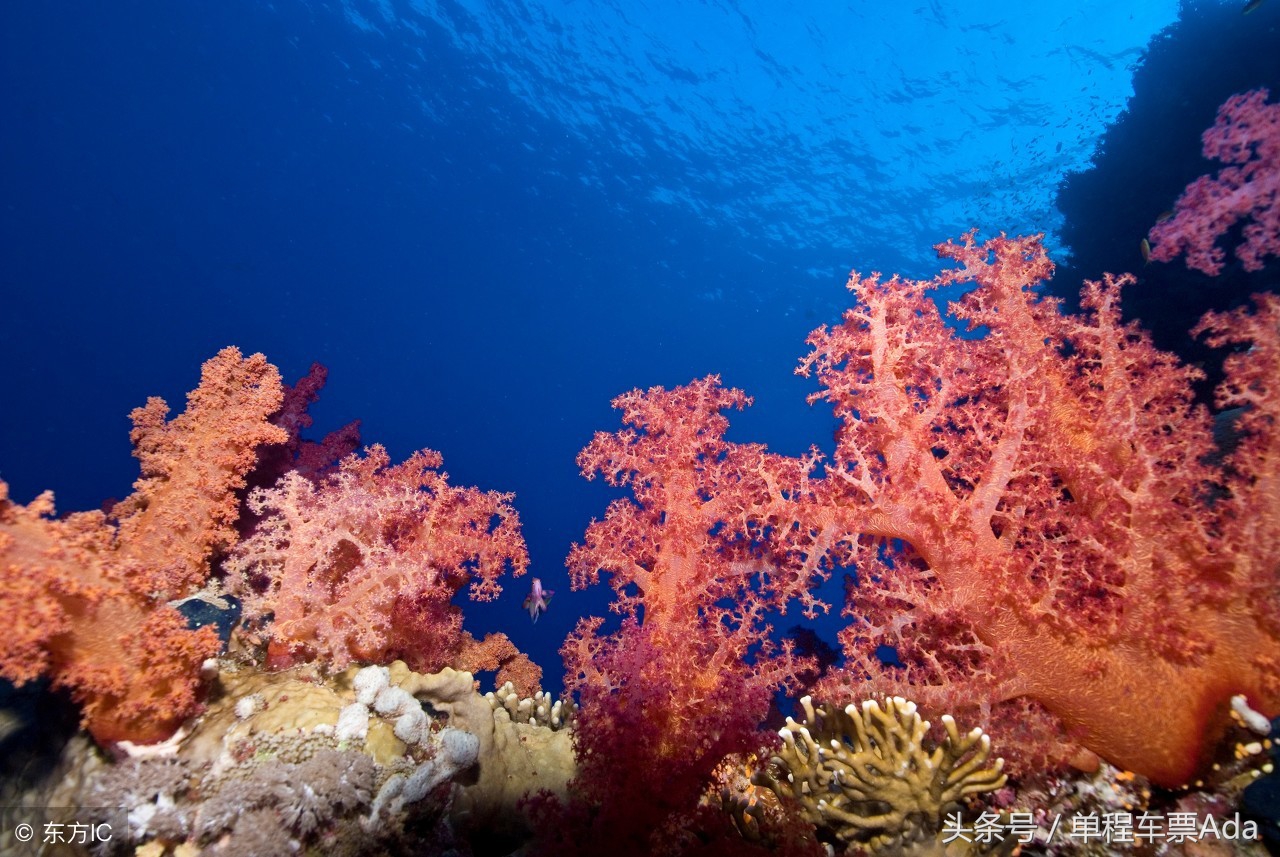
point(1151, 153)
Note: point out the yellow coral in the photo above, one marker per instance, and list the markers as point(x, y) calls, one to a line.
point(865, 774)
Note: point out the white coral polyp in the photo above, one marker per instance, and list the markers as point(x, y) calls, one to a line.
point(394, 701)
point(353, 723)
point(413, 727)
point(369, 682)
point(459, 749)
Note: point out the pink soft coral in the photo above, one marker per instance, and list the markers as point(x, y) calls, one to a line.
point(360, 566)
point(1246, 136)
point(1035, 514)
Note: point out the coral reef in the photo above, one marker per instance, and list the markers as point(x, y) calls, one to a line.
point(372, 760)
point(1046, 538)
point(865, 773)
point(1044, 532)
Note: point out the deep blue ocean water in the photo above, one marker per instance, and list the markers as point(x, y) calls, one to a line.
point(488, 219)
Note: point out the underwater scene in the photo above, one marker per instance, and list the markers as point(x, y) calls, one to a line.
point(588, 427)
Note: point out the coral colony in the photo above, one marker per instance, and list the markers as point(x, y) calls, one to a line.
point(1074, 563)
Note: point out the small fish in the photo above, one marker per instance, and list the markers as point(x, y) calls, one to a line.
point(538, 599)
point(1145, 247)
point(1250, 6)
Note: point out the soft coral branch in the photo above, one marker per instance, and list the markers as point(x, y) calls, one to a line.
point(1245, 137)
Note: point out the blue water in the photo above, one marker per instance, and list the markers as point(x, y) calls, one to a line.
point(488, 219)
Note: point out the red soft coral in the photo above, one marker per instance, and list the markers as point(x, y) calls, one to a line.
point(310, 458)
point(496, 653)
point(84, 596)
point(1035, 515)
point(707, 547)
point(361, 565)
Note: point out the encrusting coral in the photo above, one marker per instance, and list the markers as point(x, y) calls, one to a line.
point(865, 773)
point(517, 759)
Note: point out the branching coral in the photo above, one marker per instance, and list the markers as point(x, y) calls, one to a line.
point(866, 774)
point(540, 709)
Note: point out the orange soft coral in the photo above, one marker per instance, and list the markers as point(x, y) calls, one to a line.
point(84, 596)
point(496, 653)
